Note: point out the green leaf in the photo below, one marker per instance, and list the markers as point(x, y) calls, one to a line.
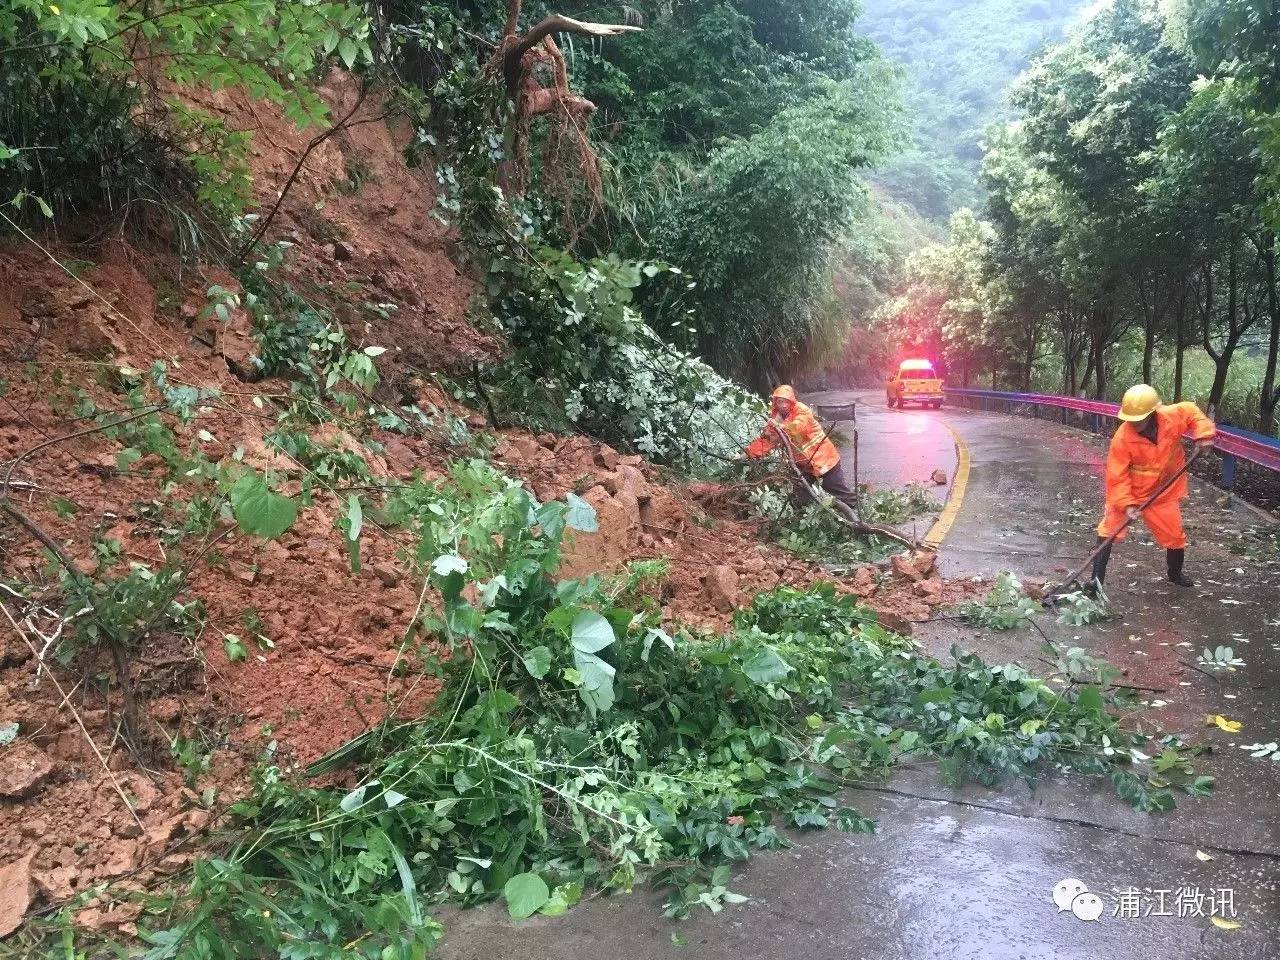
point(538, 662)
point(259, 510)
point(1090, 698)
point(393, 798)
point(408, 886)
point(234, 648)
point(448, 563)
point(596, 686)
point(525, 894)
point(355, 517)
point(348, 50)
point(581, 515)
point(766, 667)
point(355, 798)
point(591, 632)
point(126, 457)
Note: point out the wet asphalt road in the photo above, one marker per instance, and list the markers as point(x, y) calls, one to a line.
point(956, 874)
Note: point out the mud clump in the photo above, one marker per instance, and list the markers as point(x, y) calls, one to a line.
point(23, 768)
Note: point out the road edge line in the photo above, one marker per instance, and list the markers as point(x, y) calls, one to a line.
point(959, 484)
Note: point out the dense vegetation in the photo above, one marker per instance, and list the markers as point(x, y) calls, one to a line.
point(1130, 231)
point(960, 56)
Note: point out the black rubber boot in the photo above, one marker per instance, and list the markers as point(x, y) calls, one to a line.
point(1100, 566)
point(1175, 558)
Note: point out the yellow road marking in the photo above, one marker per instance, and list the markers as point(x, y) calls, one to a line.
point(959, 483)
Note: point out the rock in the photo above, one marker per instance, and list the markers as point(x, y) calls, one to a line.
point(607, 458)
point(121, 857)
point(925, 562)
point(864, 581)
point(15, 893)
point(904, 567)
point(722, 588)
point(387, 574)
point(618, 518)
point(142, 790)
point(57, 884)
point(23, 767)
point(476, 422)
point(631, 482)
point(939, 477)
point(575, 456)
point(340, 251)
point(68, 745)
point(400, 452)
point(930, 590)
point(236, 344)
point(894, 621)
point(165, 709)
point(102, 919)
point(526, 449)
point(662, 516)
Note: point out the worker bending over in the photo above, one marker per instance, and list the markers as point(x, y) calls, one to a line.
point(1145, 451)
point(793, 426)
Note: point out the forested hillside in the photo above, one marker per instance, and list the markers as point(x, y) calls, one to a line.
point(959, 58)
point(1129, 234)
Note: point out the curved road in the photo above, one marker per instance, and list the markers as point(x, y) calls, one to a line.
point(957, 874)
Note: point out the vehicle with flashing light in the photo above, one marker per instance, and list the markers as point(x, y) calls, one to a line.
point(915, 382)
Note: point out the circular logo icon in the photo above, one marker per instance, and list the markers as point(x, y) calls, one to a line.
point(1066, 891)
point(1087, 906)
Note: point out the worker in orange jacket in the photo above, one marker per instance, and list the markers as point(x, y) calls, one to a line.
point(793, 427)
point(1145, 451)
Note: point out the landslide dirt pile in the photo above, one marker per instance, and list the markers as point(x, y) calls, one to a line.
point(76, 806)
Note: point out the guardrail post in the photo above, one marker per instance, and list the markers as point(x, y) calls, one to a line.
point(1228, 471)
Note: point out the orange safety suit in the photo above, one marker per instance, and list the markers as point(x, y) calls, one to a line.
point(813, 450)
point(1136, 467)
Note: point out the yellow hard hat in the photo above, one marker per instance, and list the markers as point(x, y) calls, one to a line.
point(1138, 402)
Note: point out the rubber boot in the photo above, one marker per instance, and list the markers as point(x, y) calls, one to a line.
point(1174, 558)
point(1100, 568)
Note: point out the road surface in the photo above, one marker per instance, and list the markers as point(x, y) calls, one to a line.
point(952, 875)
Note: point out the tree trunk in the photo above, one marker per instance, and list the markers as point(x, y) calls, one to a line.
point(1150, 321)
point(1100, 368)
point(1270, 394)
point(1180, 345)
point(1222, 361)
point(1148, 348)
point(1028, 363)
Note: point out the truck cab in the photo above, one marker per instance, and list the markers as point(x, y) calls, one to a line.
point(915, 382)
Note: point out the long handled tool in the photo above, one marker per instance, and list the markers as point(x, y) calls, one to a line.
point(1072, 583)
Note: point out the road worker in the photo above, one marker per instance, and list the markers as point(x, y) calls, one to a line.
point(793, 427)
point(1145, 451)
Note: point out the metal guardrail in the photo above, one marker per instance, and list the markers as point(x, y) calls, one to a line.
point(1232, 443)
